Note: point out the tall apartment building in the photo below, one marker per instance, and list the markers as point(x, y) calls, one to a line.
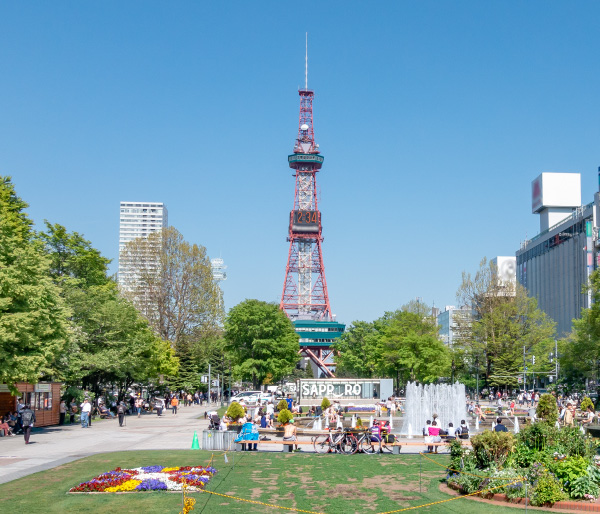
point(137, 219)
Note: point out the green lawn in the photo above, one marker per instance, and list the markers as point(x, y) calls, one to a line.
point(319, 483)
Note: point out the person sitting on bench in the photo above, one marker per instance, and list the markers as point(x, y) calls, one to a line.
point(104, 411)
point(249, 432)
point(290, 433)
point(5, 426)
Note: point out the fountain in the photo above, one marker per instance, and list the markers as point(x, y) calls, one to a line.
point(423, 401)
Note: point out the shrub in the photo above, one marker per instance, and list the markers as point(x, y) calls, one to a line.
point(508, 481)
point(492, 447)
point(536, 436)
point(468, 481)
point(235, 411)
point(585, 403)
point(284, 416)
point(547, 409)
point(584, 487)
point(569, 470)
point(522, 456)
point(567, 441)
point(547, 491)
point(282, 405)
point(457, 452)
point(594, 473)
point(325, 403)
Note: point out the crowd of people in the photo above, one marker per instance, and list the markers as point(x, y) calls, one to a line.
point(501, 404)
point(18, 422)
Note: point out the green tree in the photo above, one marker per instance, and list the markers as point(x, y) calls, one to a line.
point(261, 340)
point(504, 321)
point(33, 317)
point(188, 375)
point(582, 356)
point(356, 351)
point(73, 257)
point(112, 344)
point(547, 409)
point(173, 286)
point(411, 349)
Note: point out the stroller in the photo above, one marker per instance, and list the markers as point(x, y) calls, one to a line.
point(214, 422)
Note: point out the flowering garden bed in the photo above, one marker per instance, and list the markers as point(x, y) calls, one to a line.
point(148, 478)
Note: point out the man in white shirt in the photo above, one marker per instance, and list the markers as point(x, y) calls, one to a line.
point(86, 408)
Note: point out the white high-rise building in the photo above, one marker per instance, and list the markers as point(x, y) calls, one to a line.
point(138, 219)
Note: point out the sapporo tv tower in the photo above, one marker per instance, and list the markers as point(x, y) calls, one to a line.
point(305, 299)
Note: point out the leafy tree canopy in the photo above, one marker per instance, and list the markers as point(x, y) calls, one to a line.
point(261, 341)
point(33, 317)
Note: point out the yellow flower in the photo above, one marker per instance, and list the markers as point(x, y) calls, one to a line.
point(130, 485)
point(164, 470)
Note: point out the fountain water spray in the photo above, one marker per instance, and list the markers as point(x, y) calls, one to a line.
point(449, 402)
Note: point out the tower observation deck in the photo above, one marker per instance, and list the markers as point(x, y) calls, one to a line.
point(305, 298)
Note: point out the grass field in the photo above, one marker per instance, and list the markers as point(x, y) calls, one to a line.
point(317, 483)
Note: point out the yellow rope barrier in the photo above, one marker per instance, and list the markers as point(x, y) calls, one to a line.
point(386, 512)
point(449, 499)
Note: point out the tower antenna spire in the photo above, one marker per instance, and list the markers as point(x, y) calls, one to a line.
point(306, 65)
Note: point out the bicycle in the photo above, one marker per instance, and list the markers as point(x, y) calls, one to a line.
point(361, 442)
point(334, 442)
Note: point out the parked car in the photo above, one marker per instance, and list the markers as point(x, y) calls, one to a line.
point(246, 397)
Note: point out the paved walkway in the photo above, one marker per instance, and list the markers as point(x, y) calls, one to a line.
point(53, 446)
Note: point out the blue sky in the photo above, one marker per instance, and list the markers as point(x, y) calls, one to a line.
point(433, 117)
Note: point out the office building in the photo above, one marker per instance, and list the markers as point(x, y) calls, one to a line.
point(554, 266)
point(137, 219)
point(449, 323)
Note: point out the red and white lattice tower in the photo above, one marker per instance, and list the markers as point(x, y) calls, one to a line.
point(305, 288)
point(305, 299)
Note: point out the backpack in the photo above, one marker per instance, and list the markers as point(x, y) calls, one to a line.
point(26, 418)
point(464, 433)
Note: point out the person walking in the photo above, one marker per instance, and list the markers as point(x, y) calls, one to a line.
point(138, 405)
point(174, 404)
point(86, 409)
point(27, 419)
point(121, 412)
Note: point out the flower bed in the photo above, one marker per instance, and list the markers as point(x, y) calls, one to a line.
point(542, 463)
point(360, 408)
point(148, 478)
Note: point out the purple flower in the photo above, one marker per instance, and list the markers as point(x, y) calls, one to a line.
point(151, 484)
point(153, 469)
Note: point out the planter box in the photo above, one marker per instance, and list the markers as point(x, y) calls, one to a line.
point(218, 439)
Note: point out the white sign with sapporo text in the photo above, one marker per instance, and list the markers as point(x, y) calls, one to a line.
point(320, 389)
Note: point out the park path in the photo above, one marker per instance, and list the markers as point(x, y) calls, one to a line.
point(56, 445)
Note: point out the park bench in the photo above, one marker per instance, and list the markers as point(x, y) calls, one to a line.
point(396, 446)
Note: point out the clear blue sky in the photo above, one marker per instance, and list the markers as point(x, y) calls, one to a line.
point(433, 117)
